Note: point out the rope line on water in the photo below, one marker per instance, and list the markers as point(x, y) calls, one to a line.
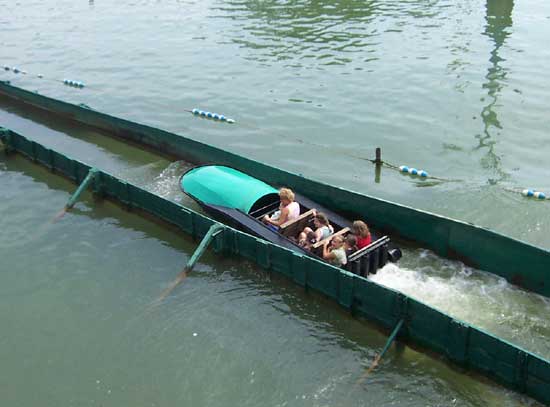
point(421, 175)
point(68, 82)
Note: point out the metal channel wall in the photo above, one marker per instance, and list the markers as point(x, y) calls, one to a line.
point(463, 344)
point(518, 262)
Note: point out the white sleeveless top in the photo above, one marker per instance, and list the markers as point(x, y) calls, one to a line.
point(293, 210)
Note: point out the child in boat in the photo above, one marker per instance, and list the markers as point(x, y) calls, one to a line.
point(362, 234)
point(323, 228)
point(289, 210)
point(309, 241)
point(335, 255)
point(350, 245)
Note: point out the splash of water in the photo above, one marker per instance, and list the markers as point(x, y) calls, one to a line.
point(166, 184)
point(476, 297)
point(158, 179)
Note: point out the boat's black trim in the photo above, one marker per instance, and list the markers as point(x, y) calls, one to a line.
point(251, 225)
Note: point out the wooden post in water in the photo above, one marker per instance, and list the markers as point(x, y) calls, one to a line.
point(378, 162)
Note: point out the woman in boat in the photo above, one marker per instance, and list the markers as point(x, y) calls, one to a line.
point(335, 255)
point(362, 234)
point(323, 228)
point(289, 210)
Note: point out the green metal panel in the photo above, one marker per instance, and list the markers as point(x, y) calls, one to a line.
point(224, 186)
point(464, 344)
point(280, 260)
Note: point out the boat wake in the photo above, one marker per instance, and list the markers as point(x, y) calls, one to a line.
point(478, 298)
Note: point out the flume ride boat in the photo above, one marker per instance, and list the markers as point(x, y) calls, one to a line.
point(242, 201)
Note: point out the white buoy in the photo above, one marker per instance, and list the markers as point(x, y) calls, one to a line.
point(211, 115)
point(531, 193)
point(413, 171)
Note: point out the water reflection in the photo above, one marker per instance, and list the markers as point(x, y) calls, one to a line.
point(499, 19)
point(322, 30)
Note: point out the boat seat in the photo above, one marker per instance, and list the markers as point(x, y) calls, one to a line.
point(369, 259)
point(292, 227)
point(317, 248)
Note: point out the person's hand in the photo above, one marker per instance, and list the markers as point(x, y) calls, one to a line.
point(265, 219)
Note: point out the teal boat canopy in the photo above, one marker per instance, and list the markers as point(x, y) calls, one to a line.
point(224, 186)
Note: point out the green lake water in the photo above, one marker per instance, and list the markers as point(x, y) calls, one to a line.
point(456, 89)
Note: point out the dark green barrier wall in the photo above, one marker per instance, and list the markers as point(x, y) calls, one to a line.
point(518, 262)
point(461, 343)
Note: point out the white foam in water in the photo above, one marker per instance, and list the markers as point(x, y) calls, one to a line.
point(140, 175)
point(166, 184)
point(478, 298)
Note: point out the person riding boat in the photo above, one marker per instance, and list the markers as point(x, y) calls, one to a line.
point(336, 254)
point(350, 244)
point(310, 240)
point(323, 228)
point(289, 210)
point(362, 233)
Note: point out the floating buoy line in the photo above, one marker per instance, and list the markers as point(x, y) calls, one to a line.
point(530, 194)
point(67, 82)
point(209, 115)
point(217, 117)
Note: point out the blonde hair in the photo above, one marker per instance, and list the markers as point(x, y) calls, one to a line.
point(361, 228)
point(286, 193)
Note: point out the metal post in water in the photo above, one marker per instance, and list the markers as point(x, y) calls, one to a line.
point(83, 185)
point(214, 230)
point(386, 347)
point(72, 200)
